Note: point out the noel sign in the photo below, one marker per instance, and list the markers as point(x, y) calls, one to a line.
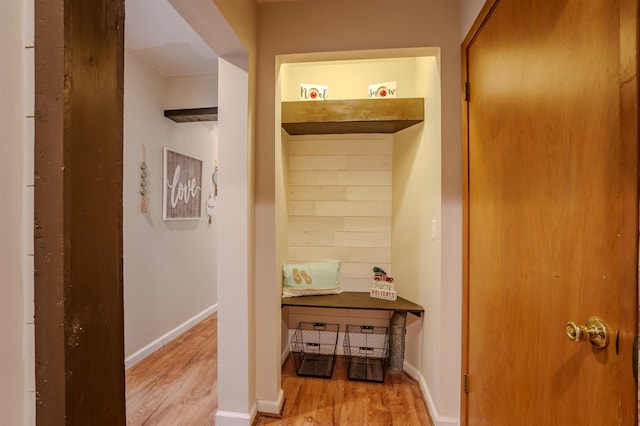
point(182, 186)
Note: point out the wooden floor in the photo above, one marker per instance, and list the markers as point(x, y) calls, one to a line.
point(340, 401)
point(177, 386)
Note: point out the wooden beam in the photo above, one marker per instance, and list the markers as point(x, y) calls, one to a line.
point(79, 324)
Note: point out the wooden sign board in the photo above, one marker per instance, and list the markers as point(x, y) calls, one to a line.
point(182, 186)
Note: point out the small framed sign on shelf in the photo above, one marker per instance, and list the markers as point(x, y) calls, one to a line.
point(313, 92)
point(182, 186)
point(383, 90)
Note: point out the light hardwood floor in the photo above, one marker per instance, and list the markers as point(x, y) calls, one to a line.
point(177, 386)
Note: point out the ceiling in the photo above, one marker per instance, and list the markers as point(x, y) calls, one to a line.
point(160, 37)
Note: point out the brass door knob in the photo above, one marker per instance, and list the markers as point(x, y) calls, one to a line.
point(595, 330)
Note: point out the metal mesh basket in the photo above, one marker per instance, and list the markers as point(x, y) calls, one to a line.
point(314, 348)
point(366, 350)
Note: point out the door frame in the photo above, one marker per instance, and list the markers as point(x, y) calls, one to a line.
point(483, 15)
point(629, 130)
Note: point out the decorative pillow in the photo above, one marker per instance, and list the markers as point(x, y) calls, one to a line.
point(307, 279)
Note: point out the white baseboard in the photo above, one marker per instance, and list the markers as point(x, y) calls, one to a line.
point(437, 419)
point(141, 354)
point(230, 418)
point(272, 407)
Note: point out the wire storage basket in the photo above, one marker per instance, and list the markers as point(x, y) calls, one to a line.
point(366, 350)
point(314, 348)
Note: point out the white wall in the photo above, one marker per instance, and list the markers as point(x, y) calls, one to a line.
point(237, 355)
point(417, 247)
point(469, 10)
point(340, 203)
point(17, 389)
point(348, 79)
point(195, 91)
point(169, 266)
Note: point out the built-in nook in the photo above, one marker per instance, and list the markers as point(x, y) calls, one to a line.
point(358, 180)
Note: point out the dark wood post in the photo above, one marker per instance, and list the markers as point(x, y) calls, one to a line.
point(79, 333)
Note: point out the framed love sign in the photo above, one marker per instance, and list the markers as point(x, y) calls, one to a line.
point(182, 186)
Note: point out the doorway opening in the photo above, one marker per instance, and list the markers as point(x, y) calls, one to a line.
point(75, 321)
point(363, 197)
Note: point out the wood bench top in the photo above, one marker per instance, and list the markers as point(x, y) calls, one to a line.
point(354, 300)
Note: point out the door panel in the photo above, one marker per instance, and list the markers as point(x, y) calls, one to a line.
point(551, 215)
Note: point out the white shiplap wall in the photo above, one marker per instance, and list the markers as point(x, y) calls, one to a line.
point(339, 195)
point(340, 203)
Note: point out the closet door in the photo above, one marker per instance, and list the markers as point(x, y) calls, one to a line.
point(550, 213)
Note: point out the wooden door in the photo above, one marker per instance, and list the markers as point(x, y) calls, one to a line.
point(550, 212)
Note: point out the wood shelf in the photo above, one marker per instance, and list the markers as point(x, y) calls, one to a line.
point(351, 116)
point(190, 115)
point(354, 300)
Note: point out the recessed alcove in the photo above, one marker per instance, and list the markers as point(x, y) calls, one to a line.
point(358, 180)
